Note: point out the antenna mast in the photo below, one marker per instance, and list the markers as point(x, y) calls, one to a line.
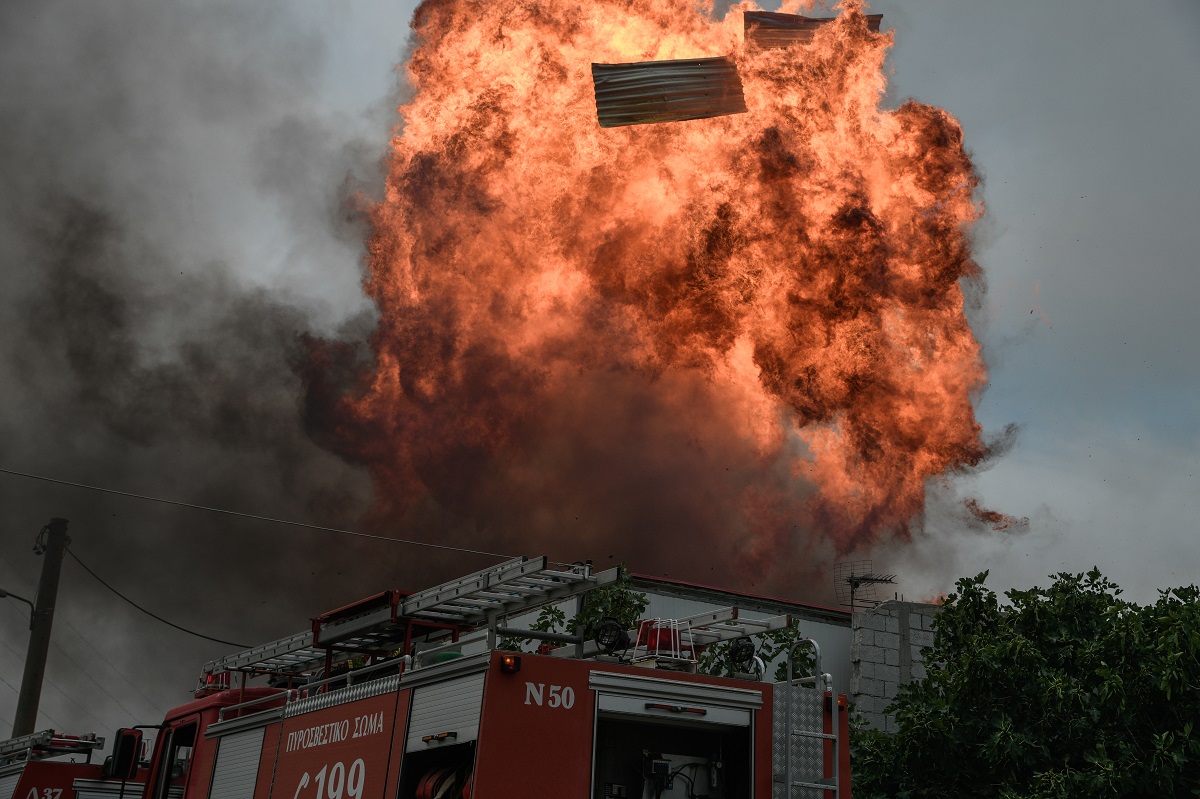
point(853, 577)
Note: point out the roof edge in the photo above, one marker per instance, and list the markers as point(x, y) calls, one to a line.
point(841, 614)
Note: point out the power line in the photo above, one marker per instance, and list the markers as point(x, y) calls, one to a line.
point(64, 619)
point(87, 673)
point(57, 725)
point(100, 580)
point(49, 682)
point(99, 724)
point(112, 666)
point(210, 509)
point(11, 687)
point(18, 655)
point(52, 684)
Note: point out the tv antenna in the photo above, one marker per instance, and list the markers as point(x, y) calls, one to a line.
point(855, 581)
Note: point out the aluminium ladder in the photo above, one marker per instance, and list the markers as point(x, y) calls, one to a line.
point(799, 730)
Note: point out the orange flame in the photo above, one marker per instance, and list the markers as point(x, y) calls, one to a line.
point(993, 519)
point(741, 338)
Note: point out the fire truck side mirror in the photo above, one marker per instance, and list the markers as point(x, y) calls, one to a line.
point(127, 751)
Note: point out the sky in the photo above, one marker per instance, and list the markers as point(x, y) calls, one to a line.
point(175, 172)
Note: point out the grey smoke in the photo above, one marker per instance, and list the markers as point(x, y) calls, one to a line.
point(176, 214)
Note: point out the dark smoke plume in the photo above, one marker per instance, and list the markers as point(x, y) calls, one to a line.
point(172, 224)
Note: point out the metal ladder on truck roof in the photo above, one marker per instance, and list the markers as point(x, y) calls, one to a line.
point(48, 743)
point(799, 732)
point(388, 621)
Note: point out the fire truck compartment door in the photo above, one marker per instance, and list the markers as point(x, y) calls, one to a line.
point(676, 700)
point(452, 707)
point(236, 770)
point(106, 789)
point(8, 784)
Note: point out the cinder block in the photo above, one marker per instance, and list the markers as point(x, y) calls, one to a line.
point(921, 639)
point(914, 621)
point(874, 654)
point(918, 671)
point(891, 657)
point(888, 673)
point(887, 640)
point(870, 687)
point(889, 691)
point(893, 624)
point(864, 637)
point(868, 670)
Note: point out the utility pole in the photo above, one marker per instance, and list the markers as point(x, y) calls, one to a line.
point(50, 544)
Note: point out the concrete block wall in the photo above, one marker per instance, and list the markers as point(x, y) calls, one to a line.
point(885, 653)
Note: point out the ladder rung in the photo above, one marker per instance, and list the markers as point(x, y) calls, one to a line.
point(472, 602)
point(442, 613)
point(820, 786)
point(533, 581)
point(523, 590)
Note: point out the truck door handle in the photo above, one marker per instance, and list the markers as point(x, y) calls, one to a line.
point(699, 711)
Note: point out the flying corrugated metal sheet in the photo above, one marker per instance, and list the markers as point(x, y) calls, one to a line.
point(770, 30)
point(666, 91)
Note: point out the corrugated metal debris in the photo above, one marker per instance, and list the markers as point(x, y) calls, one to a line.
point(666, 91)
point(769, 30)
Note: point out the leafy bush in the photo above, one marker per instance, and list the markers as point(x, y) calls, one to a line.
point(1067, 691)
point(616, 600)
point(769, 646)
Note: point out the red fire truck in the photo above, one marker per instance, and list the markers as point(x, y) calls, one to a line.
point(412, 696)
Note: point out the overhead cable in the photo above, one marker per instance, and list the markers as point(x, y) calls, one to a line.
point(151, 614)
point(255, 516)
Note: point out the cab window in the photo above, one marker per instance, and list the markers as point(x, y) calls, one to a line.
point(173, 774)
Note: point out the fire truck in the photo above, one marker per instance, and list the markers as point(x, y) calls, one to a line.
point(424, 696)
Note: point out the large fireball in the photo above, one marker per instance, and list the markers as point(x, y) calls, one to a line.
point(726, 345)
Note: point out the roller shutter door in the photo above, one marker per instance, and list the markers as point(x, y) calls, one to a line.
point(237, 765)
point(8, 785)
point(451, 706)
point(106, 789)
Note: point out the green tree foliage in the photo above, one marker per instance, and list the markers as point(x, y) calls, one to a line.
point(616, 600)
point(1067, 691)
point(771, 646)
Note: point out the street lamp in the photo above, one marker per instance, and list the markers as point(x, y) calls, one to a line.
point(32, 610)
